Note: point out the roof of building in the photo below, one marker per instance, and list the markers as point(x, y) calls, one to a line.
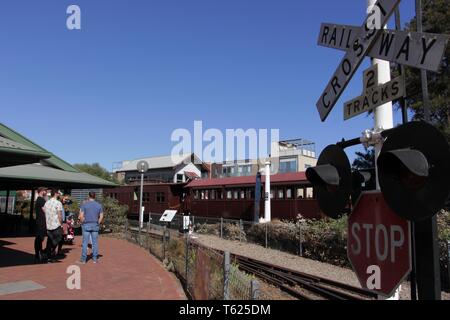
point(14, 153)
point(47, 169)
point(248, 180)
point(53, 160)
point(159, 162)
point(191, 175)
point(36, 175)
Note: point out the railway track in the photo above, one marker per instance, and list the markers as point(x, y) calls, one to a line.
point(297, 284)
point(301, 285)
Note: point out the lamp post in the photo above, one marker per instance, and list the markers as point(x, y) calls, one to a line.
point(142, 168)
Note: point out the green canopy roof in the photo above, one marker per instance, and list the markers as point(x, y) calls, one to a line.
point(14, 153)
point(47, 170)
point(34, 175)
point(53, 160)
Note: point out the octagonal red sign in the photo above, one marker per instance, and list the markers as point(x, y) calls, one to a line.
point(379, 245)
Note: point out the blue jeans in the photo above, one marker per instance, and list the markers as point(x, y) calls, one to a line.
point(90, 231)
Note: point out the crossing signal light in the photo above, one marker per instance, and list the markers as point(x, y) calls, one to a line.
point(414, 171)
point(332, 181)
point(362, 180)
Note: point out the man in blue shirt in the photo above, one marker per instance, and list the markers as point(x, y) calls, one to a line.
point(91, 216)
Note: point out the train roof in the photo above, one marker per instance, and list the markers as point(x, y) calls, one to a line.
point(282, 178)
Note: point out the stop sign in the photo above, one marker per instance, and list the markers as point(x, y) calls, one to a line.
point(379, 245)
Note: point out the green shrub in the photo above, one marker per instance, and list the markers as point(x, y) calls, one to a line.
point(115, 214)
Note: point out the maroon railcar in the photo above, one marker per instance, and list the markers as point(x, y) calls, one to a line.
point(157, 198)
point(230, 198)
point(234, 198)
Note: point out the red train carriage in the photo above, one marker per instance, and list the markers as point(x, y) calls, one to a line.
point(230, 198)
point(156, 198)
point(234, 198)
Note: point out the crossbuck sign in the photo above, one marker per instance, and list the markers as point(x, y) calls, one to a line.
point(364, 41)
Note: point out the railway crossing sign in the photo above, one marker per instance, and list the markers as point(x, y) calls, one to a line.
point(379, 245)
point(364, 40)
point(414, 49)
point(374, 95)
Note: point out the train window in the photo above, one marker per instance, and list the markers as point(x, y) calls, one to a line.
point(272, 194)
point(229, 195)
point(242, 194)
point(249, 194)
point(280, 193)
point(236, 195)
point(196, 194)
point(219, 194)
point(146, 197)
point(309, 193)
point(300, 193)
point(213, 194)
point(206, 194)
point(160, 197)
point(288, 193)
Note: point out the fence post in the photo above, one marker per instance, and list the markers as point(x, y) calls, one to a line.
point(221, 228)
point(300, 242)
point(226, 275)
point(164, 243)
point(266, 235)
point(254, 287)
point(187, 260)
point(240, 230)
point(448, 263)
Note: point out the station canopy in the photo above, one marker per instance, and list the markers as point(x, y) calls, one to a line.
point(25, 165)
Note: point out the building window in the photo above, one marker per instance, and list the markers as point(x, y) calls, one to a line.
point(288, 165)
point(289, 193)
point(307, 166)
point(160, 197)
point(180, 178)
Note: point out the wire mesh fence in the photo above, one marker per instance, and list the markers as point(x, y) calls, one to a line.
point(294, 238)
point(205, 272)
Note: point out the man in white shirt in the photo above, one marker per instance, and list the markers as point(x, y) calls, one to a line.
point(53, 216)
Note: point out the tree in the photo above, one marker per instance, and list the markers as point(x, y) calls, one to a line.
point(365, 160)
point(96, 170)
point(436, 19)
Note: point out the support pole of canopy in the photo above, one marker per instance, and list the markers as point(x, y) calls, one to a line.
point(31, 220)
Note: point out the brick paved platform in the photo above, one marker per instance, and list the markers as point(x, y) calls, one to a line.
point(124, 272)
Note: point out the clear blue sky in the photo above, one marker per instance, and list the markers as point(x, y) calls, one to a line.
point(139, 69)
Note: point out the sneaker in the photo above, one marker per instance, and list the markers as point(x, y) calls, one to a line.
point(95, 261)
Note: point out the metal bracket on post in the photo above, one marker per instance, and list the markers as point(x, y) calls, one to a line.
point(226, 275)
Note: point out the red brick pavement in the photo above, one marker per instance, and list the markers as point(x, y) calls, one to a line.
point(124, 272)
